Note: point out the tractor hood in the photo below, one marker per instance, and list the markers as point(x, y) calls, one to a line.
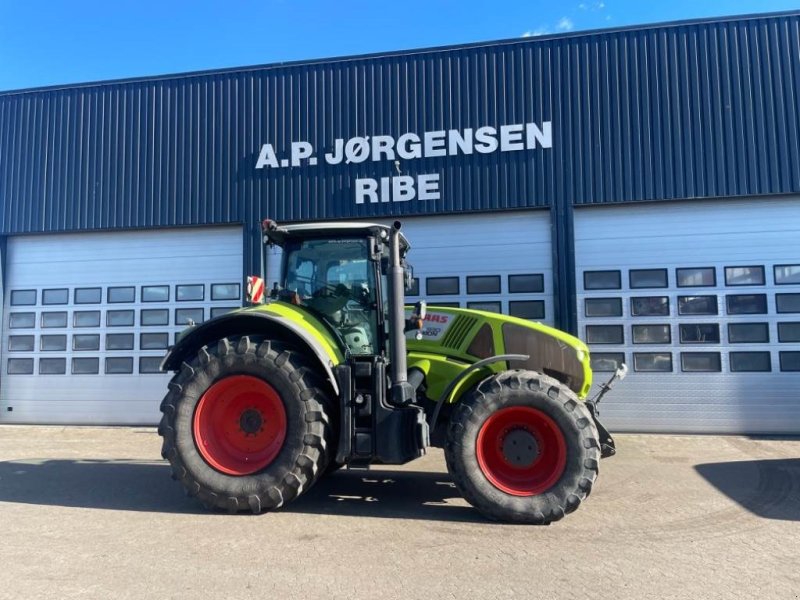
point(470, 335)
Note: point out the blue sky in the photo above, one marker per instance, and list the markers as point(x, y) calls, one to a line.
point(60, 41)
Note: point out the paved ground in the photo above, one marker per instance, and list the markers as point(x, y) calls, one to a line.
point(93, 513)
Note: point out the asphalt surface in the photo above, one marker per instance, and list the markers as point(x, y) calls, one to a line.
point(93, 513)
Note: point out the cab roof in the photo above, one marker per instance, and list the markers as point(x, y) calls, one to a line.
point(278, 234)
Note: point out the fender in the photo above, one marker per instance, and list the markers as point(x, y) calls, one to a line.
point(249, 322)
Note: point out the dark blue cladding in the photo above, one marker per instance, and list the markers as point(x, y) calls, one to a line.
point(705, 109)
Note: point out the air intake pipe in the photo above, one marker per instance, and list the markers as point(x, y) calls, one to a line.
point(402, 391)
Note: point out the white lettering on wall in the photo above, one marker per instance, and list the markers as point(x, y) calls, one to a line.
point(513, 137)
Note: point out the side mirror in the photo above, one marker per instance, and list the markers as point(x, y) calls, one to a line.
point(621, 372)
point(417, 318)
point(421, 309)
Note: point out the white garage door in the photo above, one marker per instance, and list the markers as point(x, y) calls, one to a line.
point(499, 262)
point(702, 300)
point(87, 318)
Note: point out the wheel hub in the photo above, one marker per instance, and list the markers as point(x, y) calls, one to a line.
point(251, 421)
point(240, 425)
point(520, 448)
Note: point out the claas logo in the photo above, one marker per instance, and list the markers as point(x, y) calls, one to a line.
point(437, 318)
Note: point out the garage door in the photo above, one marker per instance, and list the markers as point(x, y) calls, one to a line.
point(702, 300)
point(87, 318)
point(497, 262)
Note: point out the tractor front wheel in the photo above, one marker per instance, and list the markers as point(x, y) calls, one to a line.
point(522, 448)
point(246, 425)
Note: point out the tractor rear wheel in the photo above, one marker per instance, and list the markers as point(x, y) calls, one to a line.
point(245, 425)
point(522, 448)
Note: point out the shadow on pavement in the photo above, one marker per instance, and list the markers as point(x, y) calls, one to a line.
point(148, 487)
point(767, 488)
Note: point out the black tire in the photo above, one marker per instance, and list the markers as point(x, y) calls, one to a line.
point(302, 458)
point(561, 406)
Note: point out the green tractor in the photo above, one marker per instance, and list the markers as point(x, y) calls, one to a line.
point(336, 371)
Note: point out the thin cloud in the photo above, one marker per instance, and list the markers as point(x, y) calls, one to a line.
point(565, 24)
point(536, 32)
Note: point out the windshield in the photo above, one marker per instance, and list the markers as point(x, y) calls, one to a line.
point(336, 280)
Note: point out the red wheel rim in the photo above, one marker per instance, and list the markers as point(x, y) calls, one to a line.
point(521, 451)
point(240, 425)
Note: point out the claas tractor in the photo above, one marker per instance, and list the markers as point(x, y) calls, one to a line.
point(334, 370)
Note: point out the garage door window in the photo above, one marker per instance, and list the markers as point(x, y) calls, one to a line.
point(652, 362)
point(789, 332)
point(154, 316)
point(189, 293)
point(59, 296)
point(53, 343)
point(153, 341)
point(86, 318)
point(119, 318)
point(526, 284)
point(526, 309)
point(697, 305)
point(699, 333)
point(701, 362)
point(787, 274)
point(121, 294)
point(607, 361)
point(483, 284)
point(696, 277)
point(218, 311)
point(149, 364)
point(225, 291)
point(187, 316)
point(604, 334)
point(119, 365)
point(790, 361)
point(86, 342)
point(787, 303)
point(744, 275)
point(25, 320)
point(747, 304)
point(748, 333)
point(20, 366)
point(52, 366)
point(155, 293)
point(54, 319)
point(23, 298)
point(85, 366)
point(88, 295)
point(441, 286)
point(20, 343)
point(650, 306)
point(651, 334)
point(603, 307)
point(602, 280)
point(648, 278)
point(119, 341)
point(750, 361)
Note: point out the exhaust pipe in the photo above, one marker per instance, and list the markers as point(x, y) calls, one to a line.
point(402, 392)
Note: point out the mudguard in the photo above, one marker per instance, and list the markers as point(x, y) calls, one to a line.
point(245, 322)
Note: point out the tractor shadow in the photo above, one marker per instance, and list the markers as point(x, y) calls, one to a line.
point(139, 486)
point(769, 489)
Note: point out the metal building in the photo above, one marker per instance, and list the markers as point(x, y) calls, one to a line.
point(639, 187)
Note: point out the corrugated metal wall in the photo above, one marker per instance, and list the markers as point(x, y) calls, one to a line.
point(680, 111)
